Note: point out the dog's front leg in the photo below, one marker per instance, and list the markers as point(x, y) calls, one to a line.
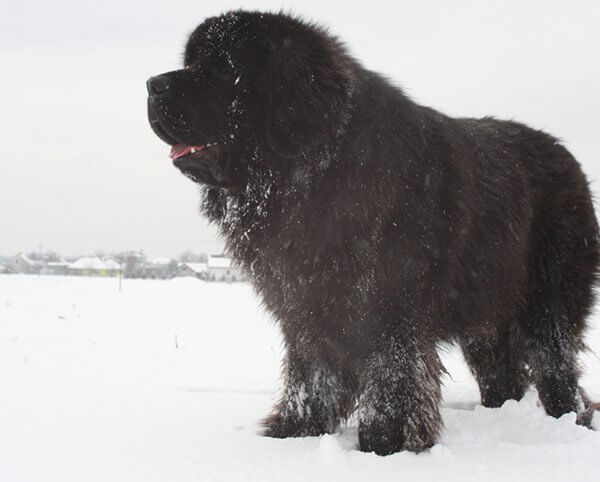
point(400, 396)
point(313, 401)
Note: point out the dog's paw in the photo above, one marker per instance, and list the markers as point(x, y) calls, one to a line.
point(382, 442)
point(586, 416)
point(278, 425)
point(386, 439)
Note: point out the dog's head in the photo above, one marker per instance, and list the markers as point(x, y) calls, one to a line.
point(254, 86)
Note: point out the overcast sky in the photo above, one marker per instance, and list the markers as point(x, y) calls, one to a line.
point(81, 171)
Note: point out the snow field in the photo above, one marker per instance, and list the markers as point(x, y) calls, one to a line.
point(166, 380)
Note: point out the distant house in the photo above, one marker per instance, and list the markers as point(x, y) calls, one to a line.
point(160, 268)
point(220, 269)
point(3, 269)
point(93, 266)
point(21, 263)
point(197, 270)
point(134, 264)
point(55, 267)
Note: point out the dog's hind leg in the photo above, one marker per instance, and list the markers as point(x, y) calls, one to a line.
point(498, 364)
point(566, 255)
point(553, 352)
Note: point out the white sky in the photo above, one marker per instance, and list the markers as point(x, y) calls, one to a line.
point(80, 169)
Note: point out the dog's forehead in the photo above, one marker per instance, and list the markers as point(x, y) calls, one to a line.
point(235, 31)
point(216, 35)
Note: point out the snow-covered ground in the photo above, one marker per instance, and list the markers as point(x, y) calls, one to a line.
point(166, 380)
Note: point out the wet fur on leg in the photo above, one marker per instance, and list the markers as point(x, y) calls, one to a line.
point(499, 364)
point(399, 405)
point(313, 402)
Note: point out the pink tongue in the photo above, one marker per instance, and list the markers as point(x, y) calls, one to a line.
point(179, 150)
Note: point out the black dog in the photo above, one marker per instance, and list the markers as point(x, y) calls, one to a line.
point(375, 228)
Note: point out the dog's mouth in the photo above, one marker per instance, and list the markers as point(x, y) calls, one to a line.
point(205, 164)
point(180, 150)
point(209, 163)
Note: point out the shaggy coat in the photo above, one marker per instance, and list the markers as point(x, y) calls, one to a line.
point(375, 229)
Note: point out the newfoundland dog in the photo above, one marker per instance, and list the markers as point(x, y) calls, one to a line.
point(374, 229)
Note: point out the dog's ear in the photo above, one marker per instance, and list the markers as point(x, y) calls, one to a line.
point(307, 89)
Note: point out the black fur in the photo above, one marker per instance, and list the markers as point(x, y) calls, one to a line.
point(375, 229)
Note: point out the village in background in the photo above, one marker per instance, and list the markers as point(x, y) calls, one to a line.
point(131, 264)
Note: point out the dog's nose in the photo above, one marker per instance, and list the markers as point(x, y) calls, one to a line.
point(157, 85)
